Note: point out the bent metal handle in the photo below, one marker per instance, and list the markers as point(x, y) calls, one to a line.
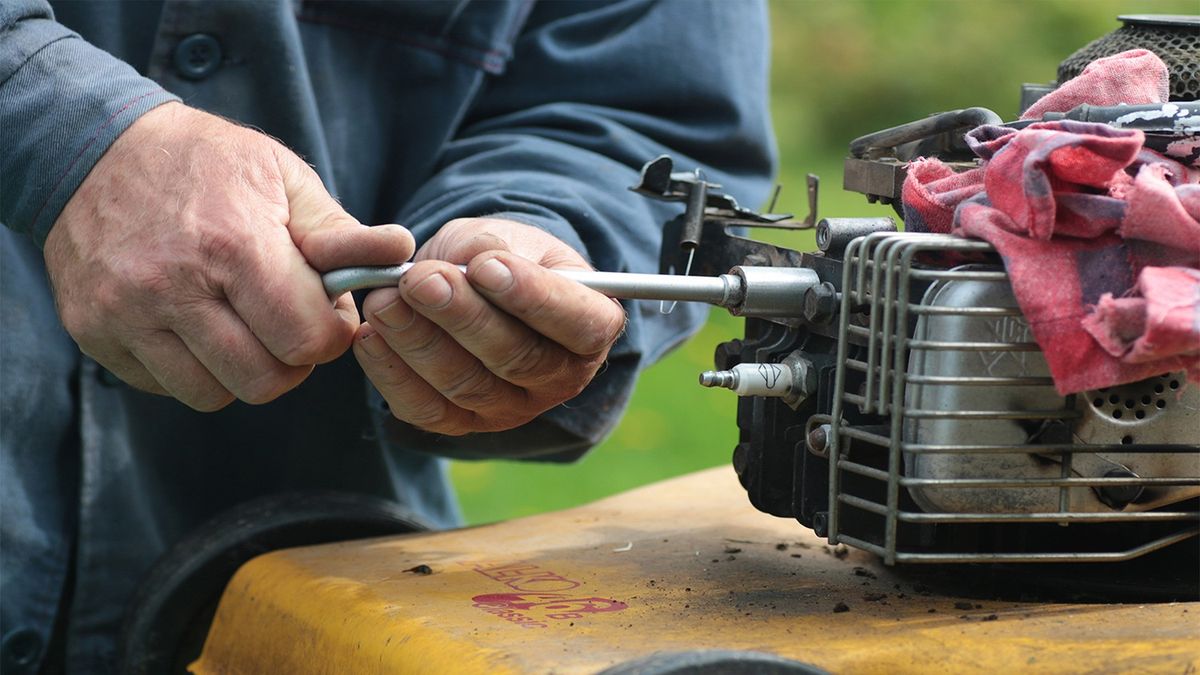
point(746, 291)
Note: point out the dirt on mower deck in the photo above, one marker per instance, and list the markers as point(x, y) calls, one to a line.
point(681, 565)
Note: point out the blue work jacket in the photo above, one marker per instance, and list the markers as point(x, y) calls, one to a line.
point(414, 112)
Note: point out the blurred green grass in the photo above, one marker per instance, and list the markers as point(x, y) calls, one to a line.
point(839, 70)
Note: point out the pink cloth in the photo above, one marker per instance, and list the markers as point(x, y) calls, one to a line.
point(1138, 330)
point(1135, 76)
point(1100, 237)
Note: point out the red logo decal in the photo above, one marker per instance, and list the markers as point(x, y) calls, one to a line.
point(551, 605)
point(541, 596)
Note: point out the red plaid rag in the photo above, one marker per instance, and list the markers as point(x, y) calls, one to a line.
point(1100, 237)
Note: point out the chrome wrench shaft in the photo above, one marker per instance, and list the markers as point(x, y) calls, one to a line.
point(722, 290)
point(752, 291)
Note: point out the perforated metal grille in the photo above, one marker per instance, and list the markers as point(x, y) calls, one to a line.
point(1176, 41)
point(1137, 401)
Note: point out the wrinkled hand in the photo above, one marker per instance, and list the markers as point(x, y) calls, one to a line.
point(491, 349)
point(187, 261)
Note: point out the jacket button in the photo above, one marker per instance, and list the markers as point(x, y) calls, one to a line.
point(197, 56)
point(20, 651)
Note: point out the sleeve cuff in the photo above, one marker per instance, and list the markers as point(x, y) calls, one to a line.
point(59, 112)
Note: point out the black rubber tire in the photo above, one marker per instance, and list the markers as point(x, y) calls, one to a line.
point(713, 662)
point(169, 616)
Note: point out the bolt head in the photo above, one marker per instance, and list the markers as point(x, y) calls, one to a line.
point(818, 439)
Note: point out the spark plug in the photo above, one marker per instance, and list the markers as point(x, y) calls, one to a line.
point(793, 379)
point(751, 379)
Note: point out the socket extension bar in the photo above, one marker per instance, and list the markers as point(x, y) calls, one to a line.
point(745, 291)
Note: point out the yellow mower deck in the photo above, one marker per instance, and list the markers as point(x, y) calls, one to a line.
point(681, 565)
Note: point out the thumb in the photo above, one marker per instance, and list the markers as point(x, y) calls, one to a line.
point(326, 235)
point(459, 246)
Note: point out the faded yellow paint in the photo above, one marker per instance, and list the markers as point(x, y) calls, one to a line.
point(682, 565)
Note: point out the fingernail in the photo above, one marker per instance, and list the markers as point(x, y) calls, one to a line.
point(396, 316)
point(374, 346)
point(434, 292)
point(493, 276)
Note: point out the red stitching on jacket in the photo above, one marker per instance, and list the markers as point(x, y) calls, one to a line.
point(452, 53)
point(82, 150)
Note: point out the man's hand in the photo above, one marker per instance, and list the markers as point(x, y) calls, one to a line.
point(187, 261)
point(491, 349)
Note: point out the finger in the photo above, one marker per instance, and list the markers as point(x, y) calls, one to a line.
point(359, 245)
point(434, 354)
point(506, 347)
point(345, 246)
point(179, 372)
point(581, 320)
point(232, 354)
point(279, 294)
point(131, 371)
point(453, 246)
point(409, 397)
point(310, 205)
point(345, 308)
point(283, 302)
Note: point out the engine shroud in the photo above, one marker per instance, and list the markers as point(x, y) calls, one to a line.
point(929, 429)
point(933, 433)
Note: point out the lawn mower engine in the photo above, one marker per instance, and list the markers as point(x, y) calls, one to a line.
point(903, 406)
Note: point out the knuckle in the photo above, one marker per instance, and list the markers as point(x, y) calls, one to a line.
point(569, 387)
point(432, 415)
point(543, 303)
point(210, 399)
point(424, 345)
point(336, 219)
point(460, 223)
point(268, 386)
point(533, 363)
point(77, 321)
point(149, 282)
point(473, 323)
point(314, 343)
point(600, 332)
point(573, 378)
point(474, 389)
point(221, 247)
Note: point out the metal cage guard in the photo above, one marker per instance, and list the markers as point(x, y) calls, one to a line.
point(878, 281)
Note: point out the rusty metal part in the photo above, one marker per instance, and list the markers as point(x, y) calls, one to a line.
point(833, 234)
point(658, 180)
point(883, 143)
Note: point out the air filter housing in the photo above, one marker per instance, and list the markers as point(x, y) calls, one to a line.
point(1174, 38)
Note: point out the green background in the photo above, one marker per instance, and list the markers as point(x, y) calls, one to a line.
point(840, 69)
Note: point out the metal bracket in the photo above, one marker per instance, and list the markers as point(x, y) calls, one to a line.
point(659, 181)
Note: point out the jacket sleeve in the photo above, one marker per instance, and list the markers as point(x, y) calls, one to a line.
point(593, 91)
point(62, 104)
